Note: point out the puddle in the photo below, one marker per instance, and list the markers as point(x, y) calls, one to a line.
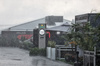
point(17, 59)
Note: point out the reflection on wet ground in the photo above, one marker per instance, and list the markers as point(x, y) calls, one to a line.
point(19, 57)
point(14, 57)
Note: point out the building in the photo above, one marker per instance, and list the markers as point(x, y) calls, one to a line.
point(26, 29)
point(57, 32)
point(93, 18)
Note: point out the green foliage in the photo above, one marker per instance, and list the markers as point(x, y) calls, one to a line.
point(37, 51)
point(42, 52)
point(85, 36)
point(26, 45)
point(34, 51)
point(12, 41)
point(97, 37)
point(51, 44)
point(2, 41)
point(23, 39)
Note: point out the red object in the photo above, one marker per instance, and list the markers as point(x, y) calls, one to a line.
point(49, 34)
point(26, 36)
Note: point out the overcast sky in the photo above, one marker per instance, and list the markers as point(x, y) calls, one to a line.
point(14, 12)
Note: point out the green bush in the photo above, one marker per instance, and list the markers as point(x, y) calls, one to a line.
point(51, 44)
point(34, 51)
point(6, 41)
point(42, 52)
point(37, 51)
point(26, 45)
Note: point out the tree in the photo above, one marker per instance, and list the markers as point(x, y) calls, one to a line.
point(84, 36)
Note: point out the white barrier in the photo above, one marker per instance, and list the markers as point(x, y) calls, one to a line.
point(53, 53)
point(49, 52)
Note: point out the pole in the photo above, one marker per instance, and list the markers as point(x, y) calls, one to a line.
point(77, 63)
point(95, 56)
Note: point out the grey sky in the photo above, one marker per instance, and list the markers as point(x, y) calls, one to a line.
point(14, 12)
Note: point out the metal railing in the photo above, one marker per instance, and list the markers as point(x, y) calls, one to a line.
point(89, 58)
point(64, 49)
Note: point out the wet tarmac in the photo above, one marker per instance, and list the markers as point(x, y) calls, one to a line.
point(19, 57)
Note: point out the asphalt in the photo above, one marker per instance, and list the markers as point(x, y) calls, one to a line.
point(19, 57)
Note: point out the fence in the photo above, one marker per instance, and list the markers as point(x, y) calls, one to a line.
point(88, 58)
point(91, 58)
point(61, 51)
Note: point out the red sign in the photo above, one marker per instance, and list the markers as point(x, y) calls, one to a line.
point(26, 36)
